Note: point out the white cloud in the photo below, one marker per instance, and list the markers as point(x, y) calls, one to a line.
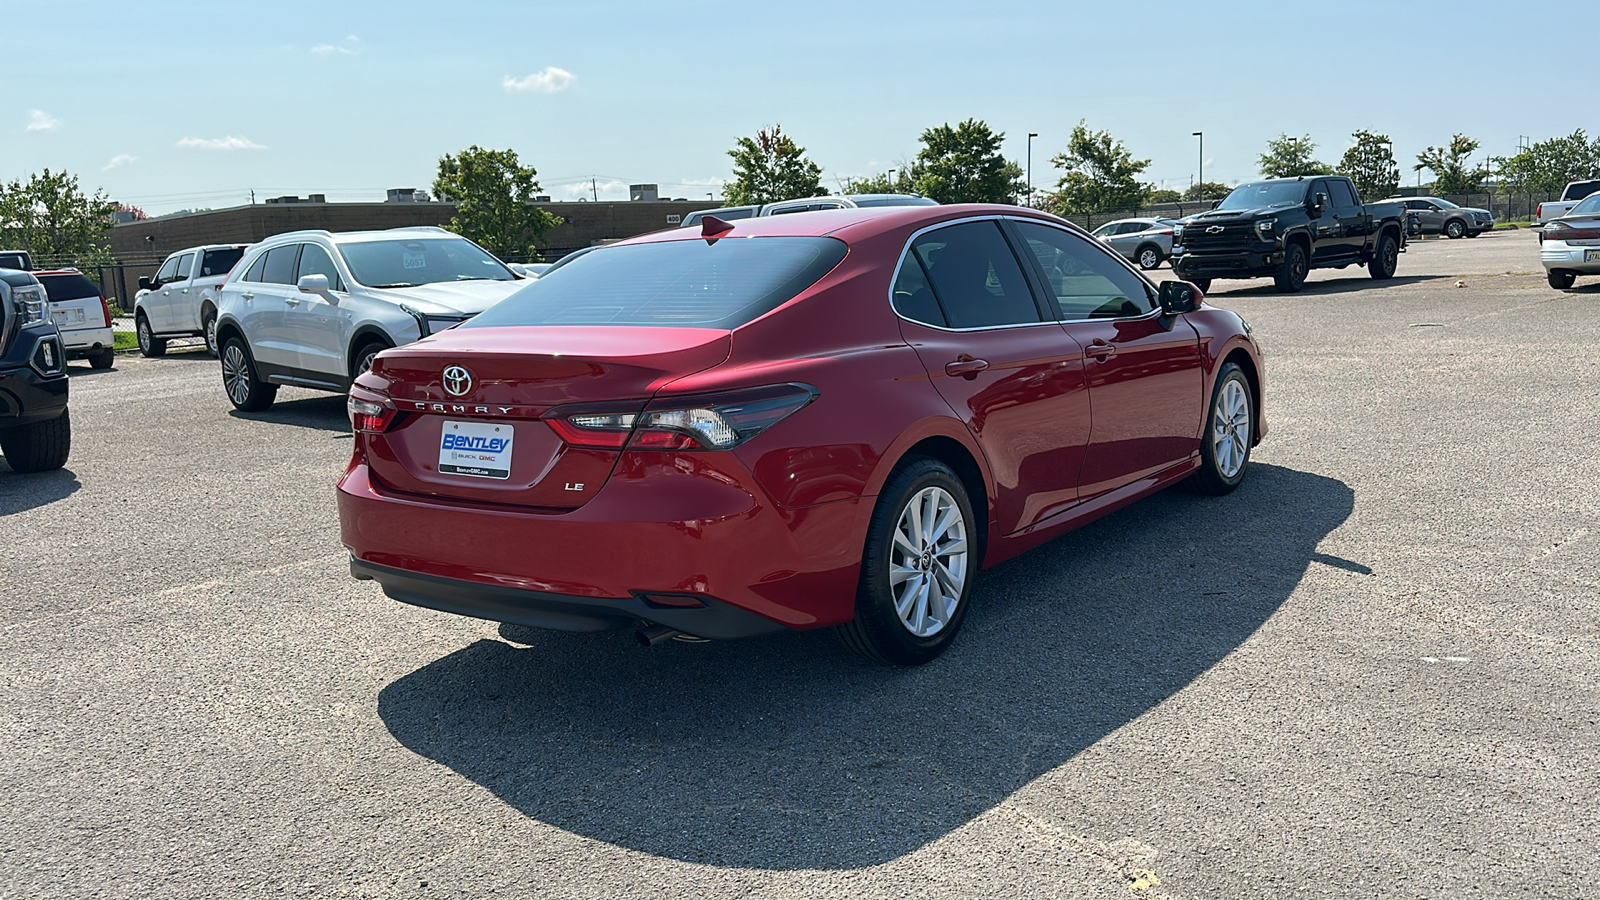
point(350, 46)
point(39, 120)
point(549, 80)
point(223, 143)
point(584, 190)
point(121, 159)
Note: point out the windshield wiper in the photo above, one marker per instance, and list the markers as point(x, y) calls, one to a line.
point(395, 285)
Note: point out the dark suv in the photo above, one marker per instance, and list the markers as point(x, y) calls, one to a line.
point(35, 433)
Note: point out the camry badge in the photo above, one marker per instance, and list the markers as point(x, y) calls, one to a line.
point(1215, 229)
point(457, 381)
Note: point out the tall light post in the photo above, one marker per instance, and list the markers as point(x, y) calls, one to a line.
point(1031, 136)
point(1201, 181)
point(893, 185)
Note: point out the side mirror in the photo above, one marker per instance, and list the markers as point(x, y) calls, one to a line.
point(316, 284)
point(1178, 297)
point(145, 284)
point(1317, 205)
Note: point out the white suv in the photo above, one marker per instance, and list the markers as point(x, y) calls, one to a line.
point(311, 308)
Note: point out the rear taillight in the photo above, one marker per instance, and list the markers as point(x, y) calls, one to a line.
point(370, 412)
point(1538, 213)
point(1166, 231)
point(709, 422)
point(1559, 232)
point(105, 310)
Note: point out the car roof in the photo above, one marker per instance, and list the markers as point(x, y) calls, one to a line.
point(352, 237)
point(853, 224)
point(63, 271)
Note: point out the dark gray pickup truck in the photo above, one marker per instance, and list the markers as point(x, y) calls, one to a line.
point(1284, 228)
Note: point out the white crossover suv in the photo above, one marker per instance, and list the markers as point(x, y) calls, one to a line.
point(312, 308)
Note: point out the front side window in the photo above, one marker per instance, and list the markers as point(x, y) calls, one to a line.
point(169, 271)
point(975, 277)
point(185, 265)
point(1088, 283)
point(315, 261)
point(1107, 230)
point(280, 264)
point(409, 262)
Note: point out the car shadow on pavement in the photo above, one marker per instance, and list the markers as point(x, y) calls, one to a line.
point(787, 753)
point(21, 492)
point(1359, 281)
point(324, 412)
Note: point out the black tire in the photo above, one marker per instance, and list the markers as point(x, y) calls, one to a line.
point(361, 360)
point(1455, 229)
point(1561, 280)
point(38, 446)
point(1473, 234)
point(1387, 258)
point(102, 358)
point(878, 631)
point(245, 391)
point(1148, 257)
point(1291, 276)
point(1204, 284)
point(149, 344)
point(208, 327)
point(1213, 477)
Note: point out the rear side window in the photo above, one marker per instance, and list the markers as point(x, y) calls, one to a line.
point(1342, 195)
point(687, 284)
point(257, 268)
point(913, 298)
point(1088, 282)
point(280, 264)
point(219, 262)
point(61, 288)
point(974, 276)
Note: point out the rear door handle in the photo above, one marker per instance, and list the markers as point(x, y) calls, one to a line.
point(965, 366)
point(1100, 350)
point(291, 301)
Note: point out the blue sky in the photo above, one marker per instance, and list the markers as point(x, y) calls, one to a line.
point(173, 105)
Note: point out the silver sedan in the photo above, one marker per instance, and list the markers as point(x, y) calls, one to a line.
point(1145, 241)
point(1570, 246)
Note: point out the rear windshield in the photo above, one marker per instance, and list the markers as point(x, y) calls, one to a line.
point(220, 262)
point(61, 288)
point(687, 284)
point(408, 262)
point(1580, 189)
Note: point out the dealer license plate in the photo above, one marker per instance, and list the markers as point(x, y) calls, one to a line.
point(67, 316)
point(1591, 256)
point(476, 449)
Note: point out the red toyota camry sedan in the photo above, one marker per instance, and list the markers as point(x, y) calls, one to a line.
point(835, 418)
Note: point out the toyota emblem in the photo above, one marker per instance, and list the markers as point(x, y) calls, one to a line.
point(457, 381)
point(1215, 229)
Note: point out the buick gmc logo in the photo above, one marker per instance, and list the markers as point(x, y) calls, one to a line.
point(457, 381)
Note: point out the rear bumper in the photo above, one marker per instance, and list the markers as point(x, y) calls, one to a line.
point(1558, 257)
point(81, 339)
point(707, 531)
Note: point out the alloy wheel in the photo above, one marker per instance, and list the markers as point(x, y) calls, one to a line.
point(236, 374)
point(1230, 429)
point(211, 335)
point(928, 562)
point(144, 336)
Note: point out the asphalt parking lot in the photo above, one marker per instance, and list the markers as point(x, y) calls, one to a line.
point(1369, 672)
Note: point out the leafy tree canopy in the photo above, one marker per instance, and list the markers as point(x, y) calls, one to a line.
point(771, 167)
point(1452, 168)
point(1207, 190)
point(1163, 197)
point(1100, 174)
point(882, 183)
point(1371, 165)
point(962, 164)
point(1551, 164)
point(493, 191)
point(51, 218)
point(1287, 157)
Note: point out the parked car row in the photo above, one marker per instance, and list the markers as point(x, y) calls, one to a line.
point(35, 430)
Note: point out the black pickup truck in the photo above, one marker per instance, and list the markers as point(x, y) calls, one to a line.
point(1285, 227)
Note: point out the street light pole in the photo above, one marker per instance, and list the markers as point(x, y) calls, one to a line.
point(1031, 136)
point(1202, 179)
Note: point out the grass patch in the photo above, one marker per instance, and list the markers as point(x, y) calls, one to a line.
point(122, 340)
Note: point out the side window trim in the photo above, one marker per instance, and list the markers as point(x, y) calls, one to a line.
point(906, 253)
point(1035, 272)
point(1044, 299)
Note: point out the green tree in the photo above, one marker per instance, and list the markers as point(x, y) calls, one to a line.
point(962, 164)
point(54, 220)
point(493, 193)
point(1100, 174)
point(1451, 165)
point(1288, 156)
point(771, 167)
point(1163, 197)
point(1371, 165)
point(882, 183)
point(1549, 165)
point(1207, 190)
